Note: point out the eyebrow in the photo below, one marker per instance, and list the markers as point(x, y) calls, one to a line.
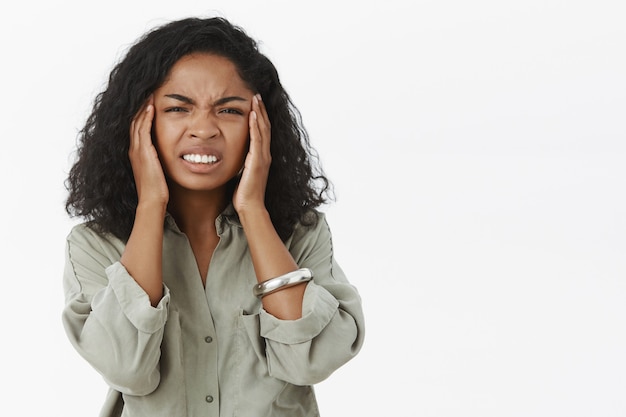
point(219, 102)
point(180, 97)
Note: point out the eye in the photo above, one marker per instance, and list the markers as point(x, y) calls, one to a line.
point(231, 110)
point(175, 110)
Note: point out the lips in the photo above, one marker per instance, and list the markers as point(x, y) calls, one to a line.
point(196, 158)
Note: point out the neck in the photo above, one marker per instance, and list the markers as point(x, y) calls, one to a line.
point(196, 211)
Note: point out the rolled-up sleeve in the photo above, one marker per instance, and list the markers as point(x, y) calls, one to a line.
point(108, 317)
point(331, 329)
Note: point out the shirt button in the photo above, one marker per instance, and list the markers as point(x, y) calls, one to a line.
point(208, 339)
point(209, 399)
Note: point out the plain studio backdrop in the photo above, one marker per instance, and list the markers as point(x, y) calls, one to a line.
point(478, 153)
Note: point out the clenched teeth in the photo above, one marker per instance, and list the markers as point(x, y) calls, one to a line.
point(200, 159)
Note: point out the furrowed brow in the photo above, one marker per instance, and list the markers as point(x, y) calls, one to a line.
point(180, 97)
point(225, 100)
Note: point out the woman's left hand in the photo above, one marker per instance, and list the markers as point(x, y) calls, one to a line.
point(270, 256)
point(250, 192)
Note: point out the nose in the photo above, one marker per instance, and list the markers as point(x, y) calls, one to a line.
point(204, 126)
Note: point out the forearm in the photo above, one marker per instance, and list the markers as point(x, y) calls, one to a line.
point(271, 259)
point(143, 254)
point(117, 335)
point(107, 315)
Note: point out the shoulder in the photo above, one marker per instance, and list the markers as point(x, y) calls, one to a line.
point(312, 227)
point(87, 237)
point(84, 232)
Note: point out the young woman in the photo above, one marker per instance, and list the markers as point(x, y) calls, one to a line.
point(203, 281)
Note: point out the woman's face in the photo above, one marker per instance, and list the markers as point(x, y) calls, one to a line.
point(201, 122)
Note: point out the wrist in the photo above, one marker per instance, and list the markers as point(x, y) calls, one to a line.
point(250, 215)
point(151, 208)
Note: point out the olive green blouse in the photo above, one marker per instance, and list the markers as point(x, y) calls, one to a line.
point(208, 351)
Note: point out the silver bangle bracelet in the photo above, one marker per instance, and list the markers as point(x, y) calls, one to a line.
point(284, 281)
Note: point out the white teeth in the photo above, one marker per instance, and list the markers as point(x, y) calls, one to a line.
point(200, 159)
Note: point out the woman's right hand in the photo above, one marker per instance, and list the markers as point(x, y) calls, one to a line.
point(143, 253)
point(147, 169)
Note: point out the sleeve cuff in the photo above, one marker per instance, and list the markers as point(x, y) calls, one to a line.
point(134, 301)
point(318, 308)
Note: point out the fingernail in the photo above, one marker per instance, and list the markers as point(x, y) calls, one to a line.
point(258, 96)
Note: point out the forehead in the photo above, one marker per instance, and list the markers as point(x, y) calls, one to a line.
point(204, 74)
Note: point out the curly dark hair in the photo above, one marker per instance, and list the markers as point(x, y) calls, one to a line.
point(101, 184)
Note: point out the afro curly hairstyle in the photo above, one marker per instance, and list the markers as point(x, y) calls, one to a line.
point(100, 183)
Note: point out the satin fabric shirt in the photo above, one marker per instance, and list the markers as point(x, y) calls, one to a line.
point(208, 351)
